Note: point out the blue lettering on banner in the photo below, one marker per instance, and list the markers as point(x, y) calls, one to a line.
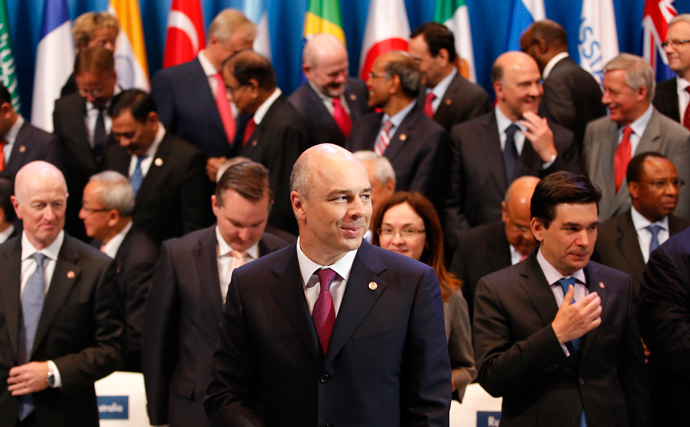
point(113, 407)
point(488, 419)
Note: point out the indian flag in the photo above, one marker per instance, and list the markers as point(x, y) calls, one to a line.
point(455, 15)
point(323, 16)
point(130, 52)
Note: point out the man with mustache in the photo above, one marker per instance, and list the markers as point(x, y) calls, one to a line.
point(557, 335)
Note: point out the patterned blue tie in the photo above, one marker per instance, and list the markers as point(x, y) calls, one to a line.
point(137, 176)
point(654, 230)
point(32, 305)
point(565, 282)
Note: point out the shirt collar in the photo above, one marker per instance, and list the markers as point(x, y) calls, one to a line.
point(681, 84)
point(639, 125)
point(113, 244)
point(552, 63)
point(263, 108)
point(552, 275)
point(160, 134)
point(51, 251)
point(641, 223)
point(440, 89)
point(11, 135)
point(206, 64)
point(225, 249)
point(503, 122)
point(308, 267)
point(400, 115)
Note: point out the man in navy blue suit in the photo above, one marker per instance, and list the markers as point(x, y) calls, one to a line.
point(366, 347)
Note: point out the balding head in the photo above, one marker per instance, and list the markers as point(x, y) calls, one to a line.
point(517, 82)
point(516, 214)
point(325, 64)
point(40, 200)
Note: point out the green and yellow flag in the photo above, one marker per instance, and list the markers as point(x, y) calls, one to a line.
point(323, 16)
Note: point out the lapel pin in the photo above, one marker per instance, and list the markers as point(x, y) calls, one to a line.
point(601, 285)
point(403, 137)
point(254, 143)
point(70, 274)
point(353, 97)
point(22, 148)
point(448, 101)
point(373, 286)
point(158, 161)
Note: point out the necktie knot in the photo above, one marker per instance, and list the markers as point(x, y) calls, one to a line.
point(565, 283)
point(387, 126)
point(342, 119)
point(627, 131)
point(428, 104)
point(326, 276)
point(510, 130)
point(141, 159)
point(39, 258)
point(654, 231)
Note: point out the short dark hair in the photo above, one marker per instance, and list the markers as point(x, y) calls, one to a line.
point(634, 172)
point(559, 188)
point(95, 59)
point(247, 64)
point(136, 101)
point(4, 95)
point(437, 37)
point(6, 191)
point(552, 32)
point(248, 179)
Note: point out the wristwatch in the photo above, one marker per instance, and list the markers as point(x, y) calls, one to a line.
point(50, 378)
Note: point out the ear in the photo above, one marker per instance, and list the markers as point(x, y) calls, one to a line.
point(390, 186)
point(254, 87)
point(642, 93)
point(498, 89)
point(152, 118)
point(504, 212)
point(443, 55)
point(15, 204)
point(214, 205)
point(297, 201)
point(113, 217)
point(634, 189)
point(542, 46)
point(394, 84)
point(538, 229)
point(306, 69)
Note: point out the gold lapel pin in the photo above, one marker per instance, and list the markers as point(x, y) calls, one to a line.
point(601, 285)
point(448, 101)
point(254, 143)
point(353, 97)
point(70, 274)
point(158, 161)
point(373, 286)
point(403, 137)
point(22, 148)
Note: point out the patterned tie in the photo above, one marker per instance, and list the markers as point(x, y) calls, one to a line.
point(32, 306)
point(248, 131)
point(224, 108)
point(428, 107)
point(137, 177)
point(384, 138)
point(342, 119)
point(100, 136)
point(565, 282)
point(654, 230)
point(510, 154)
point(2, 155)
point(622, 158)
point(686, 116)
point(324, 312)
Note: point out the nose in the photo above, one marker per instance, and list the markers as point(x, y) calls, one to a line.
point(82, 213)
point(605, 99)
point(341, 77)
point(243, 234)
point(110, 45)
point(397, 238)
point(583, 238)
point(48, 213)
point(671, 189)
point(357, 208)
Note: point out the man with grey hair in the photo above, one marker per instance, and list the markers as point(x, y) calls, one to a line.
point(106, 210)
point(416, 146)
point(633, 126)
point(381, 178)
point(672, 96)
point(191, 97)
point(330, 100)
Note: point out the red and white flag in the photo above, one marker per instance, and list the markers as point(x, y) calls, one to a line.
point(655, 19)
point(387, 29)
point(185, 37)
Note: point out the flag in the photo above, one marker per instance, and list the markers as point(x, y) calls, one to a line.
point(323, 16)
point(387, 29)
point(185, 37)
point(598, 38)
point(257, 12)
point(524, 13)
point(655, 19)
point(130, 50)
point(8, 75)
point(454, 15)
point(54, 62)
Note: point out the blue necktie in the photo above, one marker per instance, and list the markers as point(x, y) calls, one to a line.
point(654, 229)
point(32, 306)
point(510, 154)
point(137, 176)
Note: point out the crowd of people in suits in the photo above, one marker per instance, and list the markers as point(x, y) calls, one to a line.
point(191, 188)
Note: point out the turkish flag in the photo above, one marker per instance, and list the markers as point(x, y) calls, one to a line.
point(387, 29)
point(185, 37)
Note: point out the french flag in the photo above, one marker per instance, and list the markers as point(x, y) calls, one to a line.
point(387, 29)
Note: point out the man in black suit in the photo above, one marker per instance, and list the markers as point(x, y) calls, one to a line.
point(187, 95)
point(497, 245)
point(664, 313)
point(446, 96)
point(189, 289)
point(557, 335)
point(167, 173)
point(489, 152)
point(83, 128)
point(416, 146)
point(61, 325)
point(7, 215)
point(626, 240)
point(572, 97)
point(672, 96)
point(276, 134)
point(107, 208)
point(330, 100)
point(374, 353)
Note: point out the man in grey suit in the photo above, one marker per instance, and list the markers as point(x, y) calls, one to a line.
point(633, 126)
point(186, 299)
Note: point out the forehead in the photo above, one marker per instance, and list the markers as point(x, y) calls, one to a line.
point(43, 190)
point(657, 167)
point(381, 62)
point(402, 213)
point(577, 213)
point(126, 120)
point(680, 28)
point(92, 77)
point(104, 33)
point(615, 78)
point(418, 45)
point(517, 71)
point(338, 175)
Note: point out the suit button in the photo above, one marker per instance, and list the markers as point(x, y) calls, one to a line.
point(324, 379)
point(575, 420)
point(582, 381)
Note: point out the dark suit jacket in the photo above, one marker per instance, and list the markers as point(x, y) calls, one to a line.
point(618, 247)
point(320, 124)
point(30, 145)
point(520, 358)
point(182, 318)
point(174, 196)
point(387, 360)
point(664, 314)
point(418, 151)
point(462, 101)
point(666, 99)
point(478, 180)
point(187, 108)
point(481, 251)
point(276, 143)
point(81, 329)
point(572, 98)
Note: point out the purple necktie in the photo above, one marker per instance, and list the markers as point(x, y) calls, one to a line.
point(324, 312)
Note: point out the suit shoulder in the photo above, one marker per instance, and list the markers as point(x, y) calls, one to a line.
point(666, 86)
point(505, 277)
point(176, 70)
point(471, 90)
point(472, 125)
point(483, 234)
point(68, 102)
point(610, 274)
point(92, 255)
point(273, 242)
point(599, 124)
point(186, 242)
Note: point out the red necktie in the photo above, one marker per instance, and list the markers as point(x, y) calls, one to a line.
point(224, 108)
point(341, 118)
point(248, 131)
point(2, 155)
point(324, 312)
point(686, 117)
point(384, 138)
point(622, 158)
point(428, 108)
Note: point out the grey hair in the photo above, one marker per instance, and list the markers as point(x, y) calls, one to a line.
point(683, 17)
point(115, 192)
point(637, 72)
point(227, 22)
point(300, 176)
point(408, 71)
point(383, 170)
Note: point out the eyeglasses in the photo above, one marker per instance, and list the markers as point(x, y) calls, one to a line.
point(374, 75)
point(92, 210)
point(405, 233)
point(660, 184)
point(674, 43)
point(93, 92)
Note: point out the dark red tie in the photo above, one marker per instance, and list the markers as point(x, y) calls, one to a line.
point(341, 118)
point(249, 130)
point(428, 108)
point(622, 158)
point(224, 108)
point(2, 155)
point(686, 117)
point(324, 312)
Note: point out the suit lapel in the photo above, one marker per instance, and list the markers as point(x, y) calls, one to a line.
point(205, 257)
point(593, 279)
point(629, 245)
point(443, 112)
point(153, 176)
point(534, 283)
point(199, 80)
point(403, 134)
point(9, 291)
point(82, 149)
point(490, 143)
point(19, 150)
